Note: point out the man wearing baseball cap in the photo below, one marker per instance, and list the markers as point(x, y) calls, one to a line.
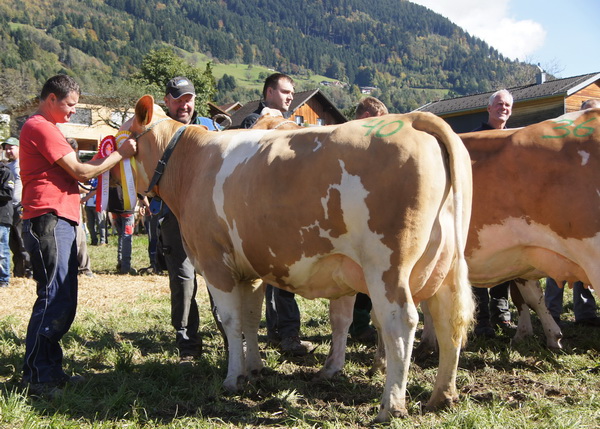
point(180, 97)
point(21, 260)
point(180, 100)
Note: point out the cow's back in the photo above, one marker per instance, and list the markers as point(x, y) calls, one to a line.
point(279, 202)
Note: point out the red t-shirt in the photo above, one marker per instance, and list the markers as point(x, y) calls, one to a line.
point(47, 187)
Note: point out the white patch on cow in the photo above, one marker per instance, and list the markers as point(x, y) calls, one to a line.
point(272, 253)
point(585, 156)
point(239, 150)
point(319, 144)
point(358, 243)
point(499, 251)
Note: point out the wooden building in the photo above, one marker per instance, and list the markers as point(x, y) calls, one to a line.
point(310, 108)
point(533, 103)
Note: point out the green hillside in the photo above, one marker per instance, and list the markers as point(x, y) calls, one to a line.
point(408, 52)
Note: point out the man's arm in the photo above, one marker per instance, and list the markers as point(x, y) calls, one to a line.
point(84, 171)
point(7, 186)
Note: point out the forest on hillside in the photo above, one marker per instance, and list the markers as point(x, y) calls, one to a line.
point(395, 45)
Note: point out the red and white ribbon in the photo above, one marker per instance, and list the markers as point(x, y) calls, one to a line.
point(107, 146)
point(127, 167)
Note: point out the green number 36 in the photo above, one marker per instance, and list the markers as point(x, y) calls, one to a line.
point(578, 131)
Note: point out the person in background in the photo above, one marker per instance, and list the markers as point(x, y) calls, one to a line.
point(492, 304)
point(282, 312)
point(361, 329)
point(584, 304)
point(21, 261)
point(124, 223)
point(95, 221)
point(50, 171)
point(83, 258)
point(7, 186)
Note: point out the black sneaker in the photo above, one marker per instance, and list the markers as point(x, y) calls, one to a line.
point(367, 336)
point(293, 346)
point(484, 331)
point(591, 321)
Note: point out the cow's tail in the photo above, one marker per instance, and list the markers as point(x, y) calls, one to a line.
point(461, 181)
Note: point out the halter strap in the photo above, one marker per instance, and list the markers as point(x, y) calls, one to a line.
point(162, 163)
point(284, 123)
point(137, 136)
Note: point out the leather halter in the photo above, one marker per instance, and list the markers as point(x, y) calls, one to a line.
point(162, 162)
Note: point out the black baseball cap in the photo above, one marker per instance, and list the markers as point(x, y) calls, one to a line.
point(179, 86)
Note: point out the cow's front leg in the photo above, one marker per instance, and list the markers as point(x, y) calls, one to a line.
point(398, 323)
point(533, 297)
point(229, 307)
point(340, 315)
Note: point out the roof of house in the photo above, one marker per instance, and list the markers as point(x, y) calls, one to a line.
point(566, 87)
point(300, 98)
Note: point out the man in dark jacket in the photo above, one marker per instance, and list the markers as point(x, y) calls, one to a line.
point(7, 185)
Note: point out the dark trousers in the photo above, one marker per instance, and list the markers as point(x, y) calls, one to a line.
point(282, 313)
point(361, 316)
point(21, 260)
point(182, 282)
point(492, 304)
point(50, 241)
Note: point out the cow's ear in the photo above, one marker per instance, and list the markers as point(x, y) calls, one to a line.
point(144, 109)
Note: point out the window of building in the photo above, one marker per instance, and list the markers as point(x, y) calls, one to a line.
point(118, 117)
point(81, 116)
point(299, 119)
point(321, 121)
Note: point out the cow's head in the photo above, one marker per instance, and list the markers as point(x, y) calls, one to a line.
point(152, 129)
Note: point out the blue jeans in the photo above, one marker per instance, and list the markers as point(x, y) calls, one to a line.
point(124, 224)
point(584, 304)
point(96, 225)
point(50, 240)
point(4, 253)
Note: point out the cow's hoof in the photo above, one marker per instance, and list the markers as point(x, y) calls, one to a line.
point(234, 384)
point(441, 404)
point(424, 350)
point(385, 416)
point(327, 374)
point(258, 373)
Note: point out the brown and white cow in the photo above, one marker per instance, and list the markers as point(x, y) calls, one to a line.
point(379, 206)
point(536, 211)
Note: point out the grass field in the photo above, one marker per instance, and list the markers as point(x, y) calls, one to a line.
point(123, 344)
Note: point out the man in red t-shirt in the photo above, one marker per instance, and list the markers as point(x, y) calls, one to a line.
point(50, 171)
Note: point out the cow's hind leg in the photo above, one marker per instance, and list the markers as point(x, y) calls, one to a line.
point(441, 328)
point(340, 315)
point(530, 295)
point(398, 323)
point(252, 299)
point(229, 307)
point(379, 362)
point(428, 344)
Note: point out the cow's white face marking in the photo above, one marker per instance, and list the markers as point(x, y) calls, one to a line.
point(358, 243)
point(585, 156)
